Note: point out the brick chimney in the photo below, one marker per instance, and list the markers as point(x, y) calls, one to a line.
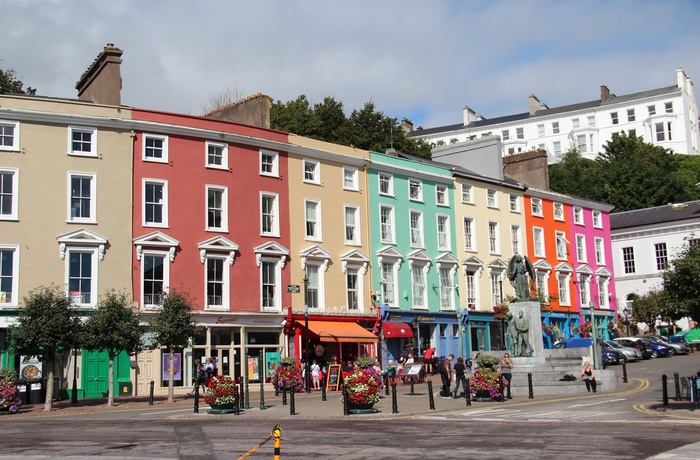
point(604, 93)
point(406, 125)
point(253, 110)
point(534, 104)
point(101, 83)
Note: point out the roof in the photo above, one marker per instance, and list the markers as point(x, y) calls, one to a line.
point(660, 214)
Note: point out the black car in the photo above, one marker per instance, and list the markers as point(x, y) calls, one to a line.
point(639, 344)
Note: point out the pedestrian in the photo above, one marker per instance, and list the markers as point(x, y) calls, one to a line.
point(315, 370)
point(390, 372)
point(460, 378)
point(199, 377)
point(446, 376)
point(408, 364)
point(349, 367)
point(428, 360)
point(210, 371)
point(588, 376)
point(400, 362)
point(506, 372)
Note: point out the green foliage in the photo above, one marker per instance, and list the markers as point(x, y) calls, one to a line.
point(9, 83)
point(288, 361)
point(365, 361)
point(114, 327)
point(46, 324)
point(173, 324)
point(487, 361)
point(681, 282)
point(648, 307)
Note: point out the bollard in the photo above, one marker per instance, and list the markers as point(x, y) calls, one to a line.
point(529, 386)
point(468, 394)
point(500, 387)
point(394, 402)
point(431, 398)
point(284, 396)
point(346, 407)
point(262, 395)
point(277, 435)
point(664, 389)
point(247, 395)
point(241, 392)
point(150, 396)
point(693, 382)
point(237, 402)
point(412, 386)
point(386, 385)
point(677, 385)
point(323, 393)
point(624, 372)
point(292, 409)
point(196, 401)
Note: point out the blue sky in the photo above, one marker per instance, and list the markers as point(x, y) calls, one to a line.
point(423, 60)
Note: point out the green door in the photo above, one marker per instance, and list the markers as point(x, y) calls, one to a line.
point(95, 373)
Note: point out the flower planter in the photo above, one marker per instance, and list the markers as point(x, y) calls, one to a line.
point(362, 408)
point(483, 395)
point(221, 409)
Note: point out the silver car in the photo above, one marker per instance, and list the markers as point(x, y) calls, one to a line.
point(630, 354)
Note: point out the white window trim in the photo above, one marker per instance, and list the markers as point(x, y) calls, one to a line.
point(561, 241)
point(15, 137)
point(93, 141)
point(532, 202)
point(516, 202)
point(14, 215)
point(597, 221)
point(600, 243)
point(390, 183)
point(358, 234)
point(392, 223)
point(578, 215)
point(164, 183)
point(275, 232)
point(224, 155)
point(279, 261)
point(424, 267)
point(225, 297)
point(395, 265)
point(497, 249)
point(564, 300)
point(355, 179)
point(517, 230)
point(495, 198)
point(535, 232)
point(165, 148)
point(469, 245)
point(562, 217)
point(448, 233)
point(14, 301)
point(421, 229)
point(452, 269)
point(581, 249)
point(317, 171)
point(167, 259)
point(360, 285)
point(471, 193)
point(322, 265)
point(319, 229)
point(275, 163)
point(93, 198)
point(445, 194)
point(224, 208)
point(93, 275)
point(420, 189)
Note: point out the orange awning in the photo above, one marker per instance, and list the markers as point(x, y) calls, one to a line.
point(332, 331)
point(396, 330)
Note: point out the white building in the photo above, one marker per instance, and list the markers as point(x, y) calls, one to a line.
point(667, 117)
point(644, 241)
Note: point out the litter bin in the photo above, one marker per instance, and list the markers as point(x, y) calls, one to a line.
point(23, 389)
point(37, 391)
point(125, 387)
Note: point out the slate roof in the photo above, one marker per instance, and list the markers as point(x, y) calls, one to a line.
point(660, 214)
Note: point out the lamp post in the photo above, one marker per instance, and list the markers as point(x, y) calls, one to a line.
point(594, 333)
point(74, 391)
point(416, 324)
point(307, 377)
point(626, 312)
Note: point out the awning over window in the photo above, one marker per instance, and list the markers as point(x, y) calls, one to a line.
point(396, 330)
point(331, 331)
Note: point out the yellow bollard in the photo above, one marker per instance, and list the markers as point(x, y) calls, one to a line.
point(277, 434)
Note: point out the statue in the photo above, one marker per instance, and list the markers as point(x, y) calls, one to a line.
point(511, 332)
point(522, 345)
point(519, 269)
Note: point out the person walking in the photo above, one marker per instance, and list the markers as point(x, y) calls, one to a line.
point(506, 372)
point(588, 376)
point(428, 360)
point(315, 370)
point(390, 372)
point(460, 378)
point(446, 376)
point(199, 377)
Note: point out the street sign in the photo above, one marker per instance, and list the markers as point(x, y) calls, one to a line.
point(293, 288)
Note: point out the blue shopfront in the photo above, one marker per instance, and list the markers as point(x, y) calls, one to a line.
point(557, 325)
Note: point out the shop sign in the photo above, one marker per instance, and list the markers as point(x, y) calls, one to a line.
point(426, 319)
point(294, 288)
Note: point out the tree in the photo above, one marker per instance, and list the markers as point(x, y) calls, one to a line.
point(648, 307)
point(681, 281)
point(174, 328)
point(46, 325)
point(222, 99)
point(113, 328)
point(9, 83)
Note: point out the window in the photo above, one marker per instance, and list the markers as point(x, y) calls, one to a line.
point(563, 285)
point(514, 203)
point(443, 233)
point(352, 288)
point(628, 260)
point(441, 195)
point(217, 208)
point(599, 251)
point(495, 279)
point(418, 275)
point(584, 286)
point(386, 220)
point(515, 238)
point(561, 245)
point(313, 286)
point(269, 163)
point(597, 219)
point(154, 281)
point(416, 229)
point(663, 131)
point(352, 225)
point(9, 135)
point(538, 240)
point(668, 106)
point(469, 234)
point(661, 256)
point(536, 207)
point(651, 109)
point(155, 148)
point(415, 190)
point(467, 193)
point(575, 122)
point(556, 148)
point(82, 141)
point(386, 184)
point(269, 212)
point(270, 259)
point(613, 118)
point(446, 289)
point(591, 121)
point(578, 215)
point(350, 181)
point(603, 291)
point(540, 130)
point(505, 134)
point(9, 183)
point(82, 276)
point(311, 172)
point(558, 211)
point(217, 155)
point(519, 133)
point(82, 198)
point(491, 198)
point(470, 279)
point(313, 220)
point(555, 127)
point(494, 245)
point(388, 284)
point(581, 144)
point(269, 281)
point(9, 275)
point(630, 115)
point(155, 203)
point(217, 282)
point(581, 248)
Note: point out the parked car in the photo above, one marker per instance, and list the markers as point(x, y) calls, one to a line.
point(609, 356)
point(639, 344)
point(660, 350)
point(673, 348)
point(630, 354)
point(689, 336)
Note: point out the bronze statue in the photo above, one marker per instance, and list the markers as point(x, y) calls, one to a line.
point(522, 345)
point(521, 275)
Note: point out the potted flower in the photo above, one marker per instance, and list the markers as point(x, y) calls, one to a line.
point(487, 361)
point(9, 395)
point(287, 376)
point(362, 386)
point(221, 394)
point(485, 385)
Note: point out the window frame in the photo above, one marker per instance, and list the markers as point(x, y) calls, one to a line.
point(224, 155)
point(419, 230)
point(393, 269)
point(661, 258)
point(419, 285)
point(614, 119)
point(597, 219)
point(558, 209)
point(165, 255)
point(13, 276)
point(494, 237)
point(468, 228)
point(93, 141)
point(538, 240)
point(470, 193)
point(581, 250)
point(390, 224)
point(92, 218)
point(492, 198)
point(356, 227)
point(273, 163)
point(164, 148)
point(442, 190)
point(578, 215)
point(415, 184)
point(358, 289)
point(536, 207)
point(560, 244)
point(317, 234)
point(92, 251)
point(315, 171)
point(599, 244)
point(164, 184)
point(446, 286)
point(225, 281)
point(277, 295)
point(13, 215)
point(446, 232)
point(224, 208)
point(354, 173)
point(516, 238)
point(275, 213)
point(388, 180)
point(628, 260)
point(15, 125)
point(555, 127)
point(514, 203)
point(631, 115)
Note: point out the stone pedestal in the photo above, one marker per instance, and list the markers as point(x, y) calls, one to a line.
point(531, 311)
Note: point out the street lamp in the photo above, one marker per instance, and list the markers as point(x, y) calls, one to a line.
point(307, 371)
point(416, 324)
point(626, 312)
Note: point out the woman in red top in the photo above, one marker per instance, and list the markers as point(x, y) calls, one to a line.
point(428, 360)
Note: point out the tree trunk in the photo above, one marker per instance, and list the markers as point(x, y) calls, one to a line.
point(110, 382)
point(171, 376)
point(48, 402)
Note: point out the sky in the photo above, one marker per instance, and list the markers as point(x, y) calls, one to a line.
point(418, 59)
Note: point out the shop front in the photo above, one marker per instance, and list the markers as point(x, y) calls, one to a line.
point(555, 326)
